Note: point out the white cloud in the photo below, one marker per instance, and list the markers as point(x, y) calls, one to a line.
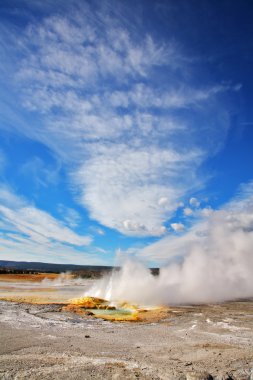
point(96, 48)
point(187, 211)
point(194, 202)
point(70, 216)
point(237, 215)
point(143, 96)
point(131, 140)
point(97, 230)
point(37, 225)
point(30, 233)
point(14, 247)
point(9, 199)
point(163, 201)
point(207, 211)
point(40, 173)
point(122, 186)
point(178, 227)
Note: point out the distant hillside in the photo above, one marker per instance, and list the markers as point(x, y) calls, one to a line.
point(85, 271)
point(47, 267)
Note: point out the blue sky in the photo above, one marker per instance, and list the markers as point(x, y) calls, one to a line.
point(123, 125)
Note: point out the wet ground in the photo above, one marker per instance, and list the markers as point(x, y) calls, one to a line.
point(47, 288)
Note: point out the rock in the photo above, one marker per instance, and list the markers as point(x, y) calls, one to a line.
point(110, 308)
point(102, 307)
point(87, 336)
point(88, 312)
point(193, 375)
point(242, 374)
point(225, 377)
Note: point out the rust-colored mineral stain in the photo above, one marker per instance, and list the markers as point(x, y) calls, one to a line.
point(38, 277)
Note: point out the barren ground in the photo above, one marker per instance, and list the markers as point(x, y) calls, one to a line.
point(42, 342)
point(27, 277)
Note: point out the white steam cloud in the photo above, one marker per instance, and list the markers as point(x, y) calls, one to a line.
point(217, 264)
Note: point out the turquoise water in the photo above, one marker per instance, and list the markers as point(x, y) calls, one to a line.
point(112, 312)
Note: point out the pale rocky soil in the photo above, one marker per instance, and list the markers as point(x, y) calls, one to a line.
point(39, 342)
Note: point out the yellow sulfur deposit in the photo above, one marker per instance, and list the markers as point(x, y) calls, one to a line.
point(101, 308)
point(128, 306)
point(90, 302)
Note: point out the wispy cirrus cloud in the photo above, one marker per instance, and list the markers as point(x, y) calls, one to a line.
point(25, 220)
point(70, 216)
point(18, 248)
point(29, 232)
point(40, 173)
point(114, 103)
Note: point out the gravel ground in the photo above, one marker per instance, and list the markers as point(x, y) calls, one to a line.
point(198, 342)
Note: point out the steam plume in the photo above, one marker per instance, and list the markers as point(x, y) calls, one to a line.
point(217, 264)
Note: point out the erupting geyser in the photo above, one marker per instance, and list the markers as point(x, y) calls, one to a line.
point(216, 264)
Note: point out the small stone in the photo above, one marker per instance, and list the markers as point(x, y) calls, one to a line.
point(87, 336)
point(88, 313)
point(198, 376)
